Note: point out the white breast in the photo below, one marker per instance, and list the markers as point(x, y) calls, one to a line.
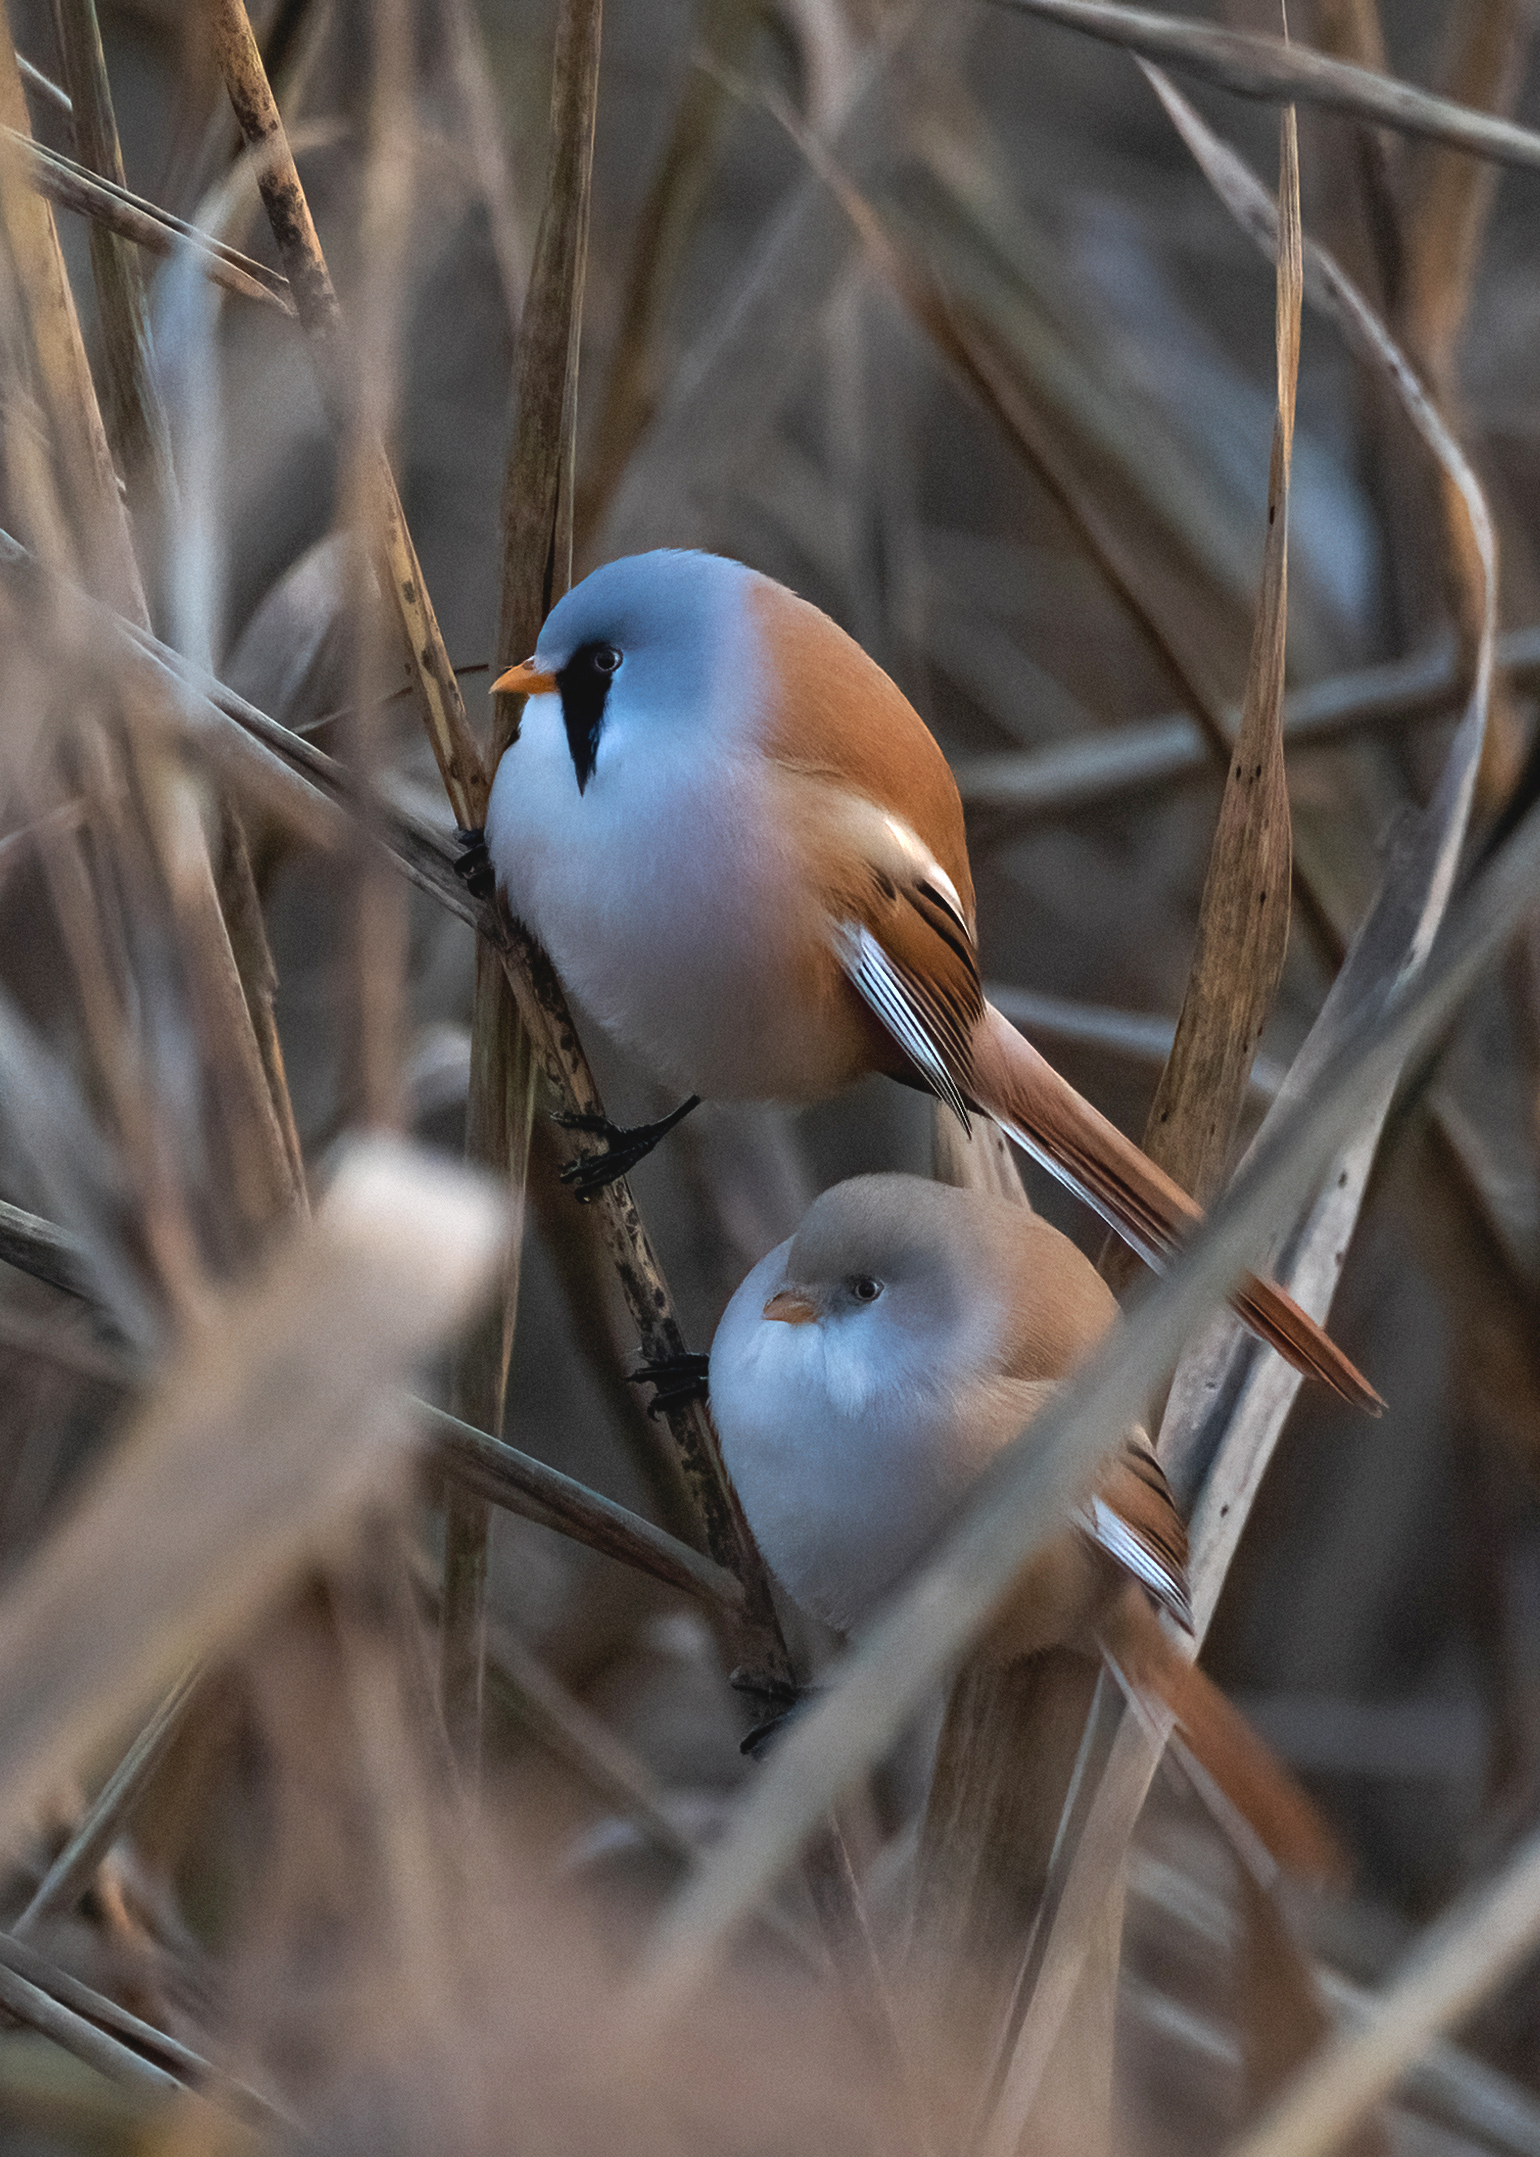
point(668, 893)
point(848, 1468)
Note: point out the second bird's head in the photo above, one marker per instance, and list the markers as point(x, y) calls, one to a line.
point(889, 1282)
point(644, 639)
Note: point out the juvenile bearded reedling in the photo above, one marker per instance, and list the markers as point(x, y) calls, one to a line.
point(871, 1367)
point(744, 850)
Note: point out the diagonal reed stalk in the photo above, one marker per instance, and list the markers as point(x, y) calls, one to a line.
point(146, 224)
point(1370, 1027)
point(1221, 1426)
point(1267, 68)
point(537, 993)
point(135, 421)
point(1243, 917)
point(537, 515)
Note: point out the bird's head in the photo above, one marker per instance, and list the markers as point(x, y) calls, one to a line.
point(890, 1267)
point(637, 643)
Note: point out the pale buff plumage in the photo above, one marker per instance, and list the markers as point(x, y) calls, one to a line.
point(866, 1373)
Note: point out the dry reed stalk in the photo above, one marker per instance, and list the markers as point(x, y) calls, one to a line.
point(1019, 787)
point(1457, 1962)
point(454, 746)
point(275, 1420)
point(725, 29)
point(1266, 67)
point(132, 218)
point(1217, 1438)
point(537, 511)
point(136, 424)
point(1447, 206)
point(1350, 30)
point(537, 993)
point(151, 2047)
point(1374, 1024)
point(372, 958)
point(93, 513)
point(110, 568)
point(500, 1475)
point(71, 1872)
point(1243, 918)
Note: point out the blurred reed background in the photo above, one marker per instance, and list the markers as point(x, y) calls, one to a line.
point(928, 311)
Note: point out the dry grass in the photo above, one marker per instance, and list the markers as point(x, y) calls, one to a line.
point(369, 1773)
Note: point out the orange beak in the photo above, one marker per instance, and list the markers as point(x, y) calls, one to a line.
point(790, 1308)
point(523, 681)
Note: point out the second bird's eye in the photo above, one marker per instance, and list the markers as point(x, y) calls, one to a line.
point(864, 1288)
point(606, 658)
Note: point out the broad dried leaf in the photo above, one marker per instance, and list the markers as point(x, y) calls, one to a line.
point(1243, 921)
point(275, 1420)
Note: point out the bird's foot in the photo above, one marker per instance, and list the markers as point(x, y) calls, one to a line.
point(763, 1735)
point(624, 1146)
point(674, 1379)
point(473, 864)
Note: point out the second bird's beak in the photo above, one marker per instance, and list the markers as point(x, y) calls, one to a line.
point(524, 681)
point(790, 1308)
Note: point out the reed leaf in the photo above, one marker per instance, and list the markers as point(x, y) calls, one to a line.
point(1266, 67)
point(1243, 919)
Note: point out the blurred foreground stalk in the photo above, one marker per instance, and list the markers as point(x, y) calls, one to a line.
point(537, 570)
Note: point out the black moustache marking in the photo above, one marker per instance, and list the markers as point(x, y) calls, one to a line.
point(584, 687)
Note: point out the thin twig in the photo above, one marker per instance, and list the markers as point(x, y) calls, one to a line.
point(72, 1871)
point(45, 86)
point(536, 572)
point(136, 421)
point(537, 993)
point(503, 1476)
point(147, 225)
point(1131, 762)
point(1265, 67)
point(310, 284)
point(79, 2009)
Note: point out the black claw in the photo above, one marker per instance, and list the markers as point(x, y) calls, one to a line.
point(676, 1379)
point(763, 1735)
point(473, 864)
point(588, 1175)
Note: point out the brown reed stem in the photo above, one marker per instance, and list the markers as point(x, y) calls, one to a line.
point(135, 419)
point(537, 570)
point(256, 109)
point(537, 993)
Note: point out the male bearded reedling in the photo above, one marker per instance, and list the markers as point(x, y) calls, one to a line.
point(870, 1368)
point(744, 850)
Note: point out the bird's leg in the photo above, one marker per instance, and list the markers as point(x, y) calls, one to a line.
point(675, 1379)
point(473, 864)
point(624, 1147)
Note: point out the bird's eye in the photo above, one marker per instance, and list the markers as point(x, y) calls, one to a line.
point(606, 658)
point(864, 1288)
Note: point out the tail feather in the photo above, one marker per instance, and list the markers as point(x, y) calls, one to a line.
point(1044, 1114)
point(1280, 1812)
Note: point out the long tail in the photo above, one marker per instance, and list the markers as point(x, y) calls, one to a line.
point(1043, 1113)
point(1252, 1777)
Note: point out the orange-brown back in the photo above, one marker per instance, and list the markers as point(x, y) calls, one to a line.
point(839, 715)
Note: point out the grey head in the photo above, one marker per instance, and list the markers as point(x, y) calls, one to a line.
point(638, 643)
point(901, 1261)
point(944, 1281)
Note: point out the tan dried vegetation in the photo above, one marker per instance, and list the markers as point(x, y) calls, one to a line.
point(372, 1668)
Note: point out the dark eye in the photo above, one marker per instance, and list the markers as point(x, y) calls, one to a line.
point(606, 659)
point(864, 1288)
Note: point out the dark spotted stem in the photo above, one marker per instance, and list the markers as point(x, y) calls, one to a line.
point(757, 1639)
point(299, 249)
